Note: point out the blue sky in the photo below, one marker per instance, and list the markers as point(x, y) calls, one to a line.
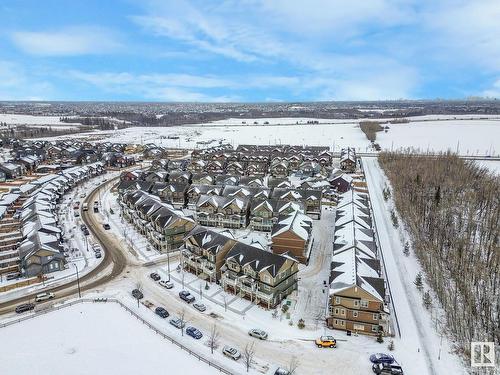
point(249, 50)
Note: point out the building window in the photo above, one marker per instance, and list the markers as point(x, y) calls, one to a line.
point(375, 316)
point(336, 322)
point(342, 311)
point(356, 303)
point(336, 311)
point(364, 303)
point(337, 300)
point(355, 314)
point(342, 323)
point(267, 279)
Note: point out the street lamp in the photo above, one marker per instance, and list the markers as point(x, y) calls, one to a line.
point(78, 281)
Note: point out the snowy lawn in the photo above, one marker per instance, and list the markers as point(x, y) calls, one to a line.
point(91, 339)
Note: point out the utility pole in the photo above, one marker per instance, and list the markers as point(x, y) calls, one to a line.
point(78, 281)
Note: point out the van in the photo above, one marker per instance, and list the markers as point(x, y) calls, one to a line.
point(85, 207)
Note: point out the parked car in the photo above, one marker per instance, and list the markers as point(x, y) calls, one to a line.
point(25, 307)
point(77, 213)
point(194, 333)
point(258, 333)
point(231, 352)
point(177, 323)
point(387, 369)
point(137, 294)
point(381, 358)
point(155, 276)
point(96, 247)
point(199, 306)
point(13, 276)
point(44, 296)
point(86, 232)
point(186, 296)
point(83, 227)
point(326, 342)
point(281, 371)
point(166, 284)
point(98, 254)
point(162, 312)
point(106, 226)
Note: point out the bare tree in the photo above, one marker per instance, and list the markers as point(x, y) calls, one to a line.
point(182, 318)
point(138, 286)
point(248, 355)
point(213, 338)
point(293, 365)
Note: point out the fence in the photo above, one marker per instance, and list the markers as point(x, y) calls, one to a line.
point(125, 307)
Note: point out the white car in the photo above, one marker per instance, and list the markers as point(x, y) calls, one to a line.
point(258, 333)
point(231, 352)
point(166, 284)
point(199, 306)
point(44, 296)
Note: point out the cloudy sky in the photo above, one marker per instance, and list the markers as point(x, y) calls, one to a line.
point(248, 50)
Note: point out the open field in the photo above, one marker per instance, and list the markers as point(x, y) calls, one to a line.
point(91, 339)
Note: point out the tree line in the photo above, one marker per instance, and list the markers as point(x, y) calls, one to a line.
point(451, 208)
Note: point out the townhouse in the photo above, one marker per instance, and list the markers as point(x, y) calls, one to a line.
point(357, 292)
point(204, 252)
point(261, 276)
point(217, 211)
point(292, 235)
point(311, 199)
point(265, 213)
point(163, 225)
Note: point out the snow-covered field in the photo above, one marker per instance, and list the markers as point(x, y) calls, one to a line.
point(492, 165)
point(91, 339)
point(468, 137)
point(30, 120)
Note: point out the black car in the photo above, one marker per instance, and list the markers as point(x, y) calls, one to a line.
point(106, 226)
point(155, 276)
point(387, 369)
point(160, 311)
point(186, 296)
point(25, 307)
point(83, 227)
point(137, 294)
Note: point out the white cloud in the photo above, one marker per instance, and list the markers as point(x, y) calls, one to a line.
point(493, 91)
point(67, 41)
point(16, 84)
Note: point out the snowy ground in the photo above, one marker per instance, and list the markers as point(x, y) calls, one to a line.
point(470, 136)
point(492, 165)
point(91, 339)
point(425, 347)
point(30, 120)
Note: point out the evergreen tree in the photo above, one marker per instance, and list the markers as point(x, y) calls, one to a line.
point(418, 281)
point(380, 337)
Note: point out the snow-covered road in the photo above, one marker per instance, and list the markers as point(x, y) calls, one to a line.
point(426, 352)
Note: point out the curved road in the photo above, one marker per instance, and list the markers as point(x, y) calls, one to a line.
point(112, 256)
